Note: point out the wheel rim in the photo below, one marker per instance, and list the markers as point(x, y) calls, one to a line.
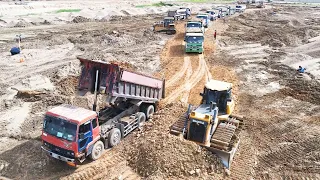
point(98, 150)
point(142, 120)
point(116, 138)
point(151, 111)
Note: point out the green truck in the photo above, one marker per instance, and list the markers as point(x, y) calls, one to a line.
point(194, 42)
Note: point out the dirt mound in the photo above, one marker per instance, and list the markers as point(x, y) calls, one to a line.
point(68, 85)
point(283, 32)
point(158, 154)
point(22, 23)
point(172, 156)
point(80, 19)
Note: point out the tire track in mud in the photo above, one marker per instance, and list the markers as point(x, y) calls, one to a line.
point(185, 95)
point(194, 79)
point(110, 165)
point(182, 71)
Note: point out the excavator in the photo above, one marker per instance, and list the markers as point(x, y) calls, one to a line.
point(211, 124)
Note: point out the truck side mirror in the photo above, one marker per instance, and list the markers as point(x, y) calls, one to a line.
point(229, 100)
point(81, 136)
point(201, 94)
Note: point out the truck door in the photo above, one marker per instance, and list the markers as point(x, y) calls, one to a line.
point(85, 135)
point(95, 128)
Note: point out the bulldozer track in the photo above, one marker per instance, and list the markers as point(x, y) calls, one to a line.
point(118, 171)
point(244, 161)
point(287, 156)
point(290, 176)
point(109, 163)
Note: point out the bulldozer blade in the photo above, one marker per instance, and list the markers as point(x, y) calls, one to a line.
point(225, 156)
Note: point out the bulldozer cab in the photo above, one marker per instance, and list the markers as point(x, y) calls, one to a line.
point(219, 92)
point(168, 21)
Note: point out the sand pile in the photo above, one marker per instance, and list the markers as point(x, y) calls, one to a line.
point(124, 39)
point(80, 19)
point(172, 156)
point(158, 154)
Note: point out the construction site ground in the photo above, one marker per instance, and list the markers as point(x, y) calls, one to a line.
point(258, 51)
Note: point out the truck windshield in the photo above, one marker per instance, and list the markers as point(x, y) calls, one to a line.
point(194, 25)
point(195, 39)
point(202, 17)
point(59, 128)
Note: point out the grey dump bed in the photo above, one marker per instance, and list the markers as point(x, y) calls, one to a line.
point(193, 30)
point(115, 82)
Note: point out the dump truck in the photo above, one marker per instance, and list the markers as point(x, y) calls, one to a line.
point(205, 17)
point(194, 27)
point(240, 8)
point(72, 134)
point(179, 14)
point(226, 10)
point(194, 42)
point(213, 14)
point(167, 26)
point(212, 124)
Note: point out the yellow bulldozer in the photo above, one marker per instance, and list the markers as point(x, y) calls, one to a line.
point(212, 124)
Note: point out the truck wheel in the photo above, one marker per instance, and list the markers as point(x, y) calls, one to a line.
point(114, 137)
point(97, 150)
point(141, 118)
point(149, 111)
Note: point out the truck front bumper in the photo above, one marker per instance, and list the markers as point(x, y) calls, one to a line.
point(57, 156)
point(198, 50)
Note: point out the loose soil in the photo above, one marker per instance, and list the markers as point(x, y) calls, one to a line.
point(257, 51)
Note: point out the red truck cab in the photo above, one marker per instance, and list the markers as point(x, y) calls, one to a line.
point(72, 133)
point(69, 133)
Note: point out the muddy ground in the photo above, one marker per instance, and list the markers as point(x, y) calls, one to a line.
point(257, 51)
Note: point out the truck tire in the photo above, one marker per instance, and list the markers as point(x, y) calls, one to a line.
point(114, 137)
point(97, 150)
point(141, 118)
point(149, 111)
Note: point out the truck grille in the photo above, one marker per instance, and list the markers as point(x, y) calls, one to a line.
point(59, 150)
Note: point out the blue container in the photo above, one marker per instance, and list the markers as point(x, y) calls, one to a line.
point(15, 50)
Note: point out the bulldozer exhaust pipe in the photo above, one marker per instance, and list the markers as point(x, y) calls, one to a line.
point(212, 105)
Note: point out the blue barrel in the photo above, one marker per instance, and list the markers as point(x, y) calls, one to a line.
point(15, 50)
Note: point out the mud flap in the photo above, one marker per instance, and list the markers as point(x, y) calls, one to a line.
point(226, 157)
